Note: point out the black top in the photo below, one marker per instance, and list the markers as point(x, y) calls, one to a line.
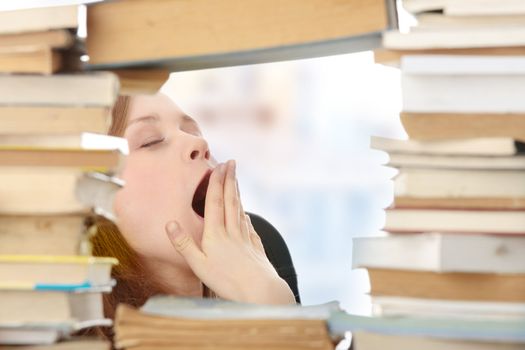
point(277, 252)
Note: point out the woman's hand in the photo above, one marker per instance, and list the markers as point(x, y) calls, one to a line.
point(231, 260)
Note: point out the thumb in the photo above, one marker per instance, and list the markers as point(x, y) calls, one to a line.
point(185, 245)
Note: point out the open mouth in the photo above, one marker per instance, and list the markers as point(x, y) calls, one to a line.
point(199, 198)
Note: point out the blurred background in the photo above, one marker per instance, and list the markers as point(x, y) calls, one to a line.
point(300, 132)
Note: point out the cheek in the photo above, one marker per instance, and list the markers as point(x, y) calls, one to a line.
point(148, 200)
point(134, 213)
point(144, 184)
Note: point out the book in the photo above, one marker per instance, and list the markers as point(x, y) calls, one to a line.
point(141, 81)
point(508, 331)
point(98, 191)
point(39, 19)
point(420, 163)
point(198, 308)
point(455, 39)
point(55, 39)
point(42, 191)
point(83, 90)
point(459, 183)
point(30, 59)
point(417, 6)
point(440, 252)
point(439, 21)
point(75, 343)
point(18, 335)
point(508, 222)
point(447, 285)
point(44, 272)
point(52, 120)
point(191, 324)
point(485, 7)
point(433, 308)
point(40, 181)
point(116, 27)
point(425, 76)
point(51, 306)
point(404, 161)
point(44, 335)
point(103, 160)
point(49, 180)
point(467, 7)
point(364, 340)
point(462, 65)
point(136, 330)
point(497, 203)
point(502, 146)
point(393, 56)
point(460, 94)
point(44, 235)
point(450, 125)
point(66, 142)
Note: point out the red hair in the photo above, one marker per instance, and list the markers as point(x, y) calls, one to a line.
point(134, 286)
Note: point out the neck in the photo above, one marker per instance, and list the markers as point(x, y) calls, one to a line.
point(174, 279)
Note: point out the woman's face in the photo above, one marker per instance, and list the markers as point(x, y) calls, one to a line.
point(168, 159)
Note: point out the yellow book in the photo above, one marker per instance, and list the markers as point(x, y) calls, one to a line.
point(44, 272)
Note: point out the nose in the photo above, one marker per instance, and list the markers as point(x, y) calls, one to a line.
point(197, 149)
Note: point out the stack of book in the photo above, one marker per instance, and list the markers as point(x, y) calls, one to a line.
point(50, 285)
point(39, 40)
point(454, 255)
point(185, 323)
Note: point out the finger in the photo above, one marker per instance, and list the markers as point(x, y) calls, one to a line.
point(185, 245)
point(214, 204)
point(245, 229)
point(254, 237)
point(231, 202)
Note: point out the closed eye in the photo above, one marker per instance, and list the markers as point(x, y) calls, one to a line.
point(154, 142)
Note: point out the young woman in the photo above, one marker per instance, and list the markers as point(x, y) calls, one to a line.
point(181, 228)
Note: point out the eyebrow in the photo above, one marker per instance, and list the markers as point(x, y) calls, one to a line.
point(155, 118)
point(146, 118)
